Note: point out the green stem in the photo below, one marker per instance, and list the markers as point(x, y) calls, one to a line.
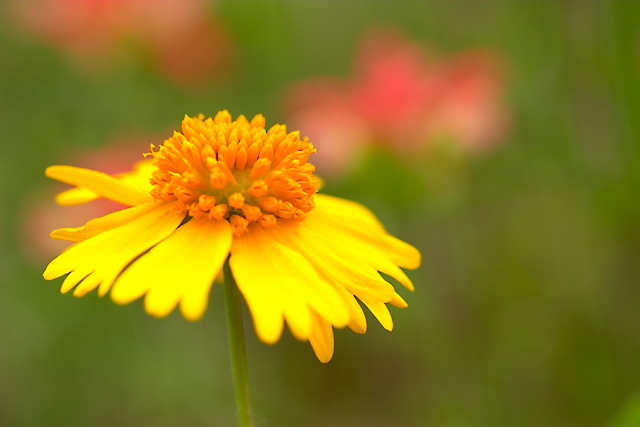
point(237, 347)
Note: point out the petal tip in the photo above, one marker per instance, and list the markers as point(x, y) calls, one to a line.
point(268, 340)
point(325, 358)
point(51, 171)
point(49, 275)
point(398, 301)
point(270, 337)
point(192, 316)
point(119, 295)
point(79, 293)
point(158, 314)
point(64, 289)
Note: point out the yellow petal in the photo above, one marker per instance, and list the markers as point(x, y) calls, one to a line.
point(402, 253)
point(279, 283)
point(321, 338)
point(348, 276)
point(181, 268)
point(398, 301)
point(357, 277)
point(105, 255)
point(75, 277)
point(76, 196)
point(356, 327)
point(348, 210)
point(138, 178)
point(264, 304)
point(105, 185)
point(102, 224)
point(339, 243)
point(356, 220)
point(69, 234)
point(351, 245)
point(358, 322)
point(381, 312)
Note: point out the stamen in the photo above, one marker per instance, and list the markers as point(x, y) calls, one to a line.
point(236, 200)
point(235, 170)
point(238, 224)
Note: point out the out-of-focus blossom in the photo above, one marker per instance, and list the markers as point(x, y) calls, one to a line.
point(324, 110)
point(41, 213)
point(177, 36)
point(402, 98)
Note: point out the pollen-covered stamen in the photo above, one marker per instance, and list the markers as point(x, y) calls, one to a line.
point(235, 170)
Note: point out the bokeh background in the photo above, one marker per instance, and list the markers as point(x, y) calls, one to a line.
point(502, 139)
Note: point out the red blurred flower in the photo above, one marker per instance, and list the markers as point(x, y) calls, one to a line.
point(43, 214)
point(177, 35)
point(400, 97)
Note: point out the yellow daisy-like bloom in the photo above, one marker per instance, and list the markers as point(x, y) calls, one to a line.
point(232, 189)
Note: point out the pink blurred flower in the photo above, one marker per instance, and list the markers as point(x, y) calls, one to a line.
point(42, 214)
point(177, 35)
point(324, 110)
point(402, 98)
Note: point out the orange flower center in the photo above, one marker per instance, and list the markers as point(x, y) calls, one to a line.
point(235, 170)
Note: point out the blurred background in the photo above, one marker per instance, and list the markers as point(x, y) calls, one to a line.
point(502, 139)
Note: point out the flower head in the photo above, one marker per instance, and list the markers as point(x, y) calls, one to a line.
point(232, 189)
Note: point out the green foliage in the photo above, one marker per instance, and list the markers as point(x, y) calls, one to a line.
point(628, 415)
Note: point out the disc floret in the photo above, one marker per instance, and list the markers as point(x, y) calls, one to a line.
point(235, 170)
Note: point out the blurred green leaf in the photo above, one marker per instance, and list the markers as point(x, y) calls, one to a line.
point(628, 415)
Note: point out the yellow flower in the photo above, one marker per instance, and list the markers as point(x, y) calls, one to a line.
point(223, 188)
